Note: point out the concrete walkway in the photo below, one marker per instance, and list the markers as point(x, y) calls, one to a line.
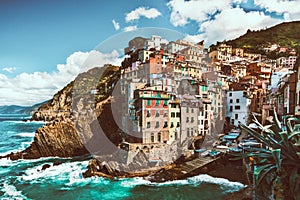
point(195, 164)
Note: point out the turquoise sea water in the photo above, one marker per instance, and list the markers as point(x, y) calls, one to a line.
point(24, 179)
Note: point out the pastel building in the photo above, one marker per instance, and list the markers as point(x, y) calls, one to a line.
point(156, 42)
point(189, 109)
point(238, 106)
point(152, 117)
point(174, 47)
point(174, 119)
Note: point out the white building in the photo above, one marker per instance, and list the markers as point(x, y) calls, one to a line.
point(286, 62)
point(156, 42)
point(238, 107)
point(174, 47)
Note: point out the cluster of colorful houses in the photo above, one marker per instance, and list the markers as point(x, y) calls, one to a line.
point(179, 89)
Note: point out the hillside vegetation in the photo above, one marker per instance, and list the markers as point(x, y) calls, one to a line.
point(285, 34)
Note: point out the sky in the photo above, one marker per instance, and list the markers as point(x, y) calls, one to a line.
point(43, 44)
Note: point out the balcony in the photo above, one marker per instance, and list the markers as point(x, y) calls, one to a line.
point(155, 96)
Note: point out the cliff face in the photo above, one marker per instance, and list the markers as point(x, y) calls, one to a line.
point(56, 139)
point(70, 116)
point(58, 108)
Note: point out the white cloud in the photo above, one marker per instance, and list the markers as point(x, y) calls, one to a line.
point(9, 69)
point(130, 28)
point(290, 9)
point(149, 13)
point(116, 25)
point(28, 89)
point(183, 11)
point(228, 22)
point(232, 23)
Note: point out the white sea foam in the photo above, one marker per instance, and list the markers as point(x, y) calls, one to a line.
point(26, 134)
point(204, 178)
point(65, 171)
point(24, 122)
point(196, 180)
point(6, 162)
point(11, 192)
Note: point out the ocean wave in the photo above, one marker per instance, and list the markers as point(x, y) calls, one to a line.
point(230, 186)
point(18, 121)
point(66, 171)
point(26, 134)
point(196, 180)
point(11, 192)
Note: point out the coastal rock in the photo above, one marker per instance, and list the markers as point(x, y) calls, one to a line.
point(58, 108)
point(45, 166)
point(137, 161)
point(56, 139)
point(69, 118)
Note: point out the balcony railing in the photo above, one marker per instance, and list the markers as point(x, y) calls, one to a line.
point(155, 96)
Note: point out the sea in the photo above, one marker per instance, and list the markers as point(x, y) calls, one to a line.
point(25, 179)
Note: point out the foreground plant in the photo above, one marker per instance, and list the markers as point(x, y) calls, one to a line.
point(279, 157)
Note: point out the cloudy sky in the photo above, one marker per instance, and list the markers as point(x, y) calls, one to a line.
point(43, 44)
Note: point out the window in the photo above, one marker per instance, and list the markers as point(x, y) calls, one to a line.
point(230, 109)
point(172, 125)
point(172, 114)
point(157, 113)
point(148, 124)
point(157, 102)
point(192, 119)
point(187, 119)
point(165, 124)
point(201, 122)
point(192, 131)
point(165, 114)
point(156, 124)
point(165, 102)
point(192, 110)
point(187, 109)
point(148, 102)
point(173, 105)
point(148, 113)
point(237, 107)
point(230, 94)
point(237, 100)
point(152, 137)
point(178, 124)
point(230, 101)
point(159, 137)
point(178, 114)
point(188, 132)
point(236, 116)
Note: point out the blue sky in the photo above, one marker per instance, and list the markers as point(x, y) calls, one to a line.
point(40, 39)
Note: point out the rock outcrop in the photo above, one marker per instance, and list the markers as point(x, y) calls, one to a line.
point(71, 117)
point(56, 139)
point(138, 160)
point(58, 108)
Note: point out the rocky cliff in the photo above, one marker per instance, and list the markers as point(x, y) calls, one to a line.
point(73, 117)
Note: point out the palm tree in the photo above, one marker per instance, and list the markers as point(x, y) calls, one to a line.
point(279, 157)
